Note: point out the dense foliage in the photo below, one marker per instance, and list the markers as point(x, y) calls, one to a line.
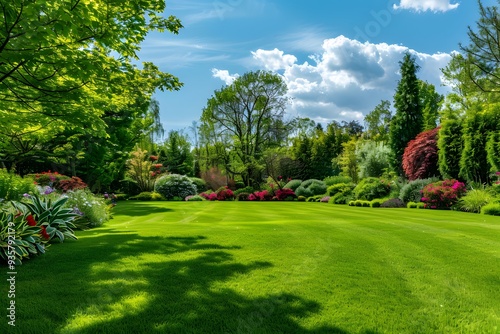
point(420, 158)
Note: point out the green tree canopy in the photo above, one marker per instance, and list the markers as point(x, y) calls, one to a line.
point(248, 116)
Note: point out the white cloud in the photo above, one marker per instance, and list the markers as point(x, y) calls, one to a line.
point(224, 75)
point(347, 79)
point(274, 60)
point(425, 5)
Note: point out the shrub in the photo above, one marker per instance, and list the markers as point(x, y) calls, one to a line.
point(442, 194)
point(373, 158)
point(74, 183)
point(420, 157)
point(194, 198)
point(247, 190)
point(200, 184)
point(293, 184)
point(92, 210)
point(376, 203)
point(317, 187)
point(301, 199)
point(225, 194)
point(48, 178)
point(156, 196)
point(143, 196)
point(285, 194)
point(242, 196)
point(263, 195)
point(175, 185)
point(411, 205)
point(55, 220)
point(474, 200)
point(12, 186)
point(332, 180)
point(352, 203)
point(371, 188)
point(420, 205)
point(339, 188)
point(342, 197)
point(25, 238)
point(492, 209)
point(301, 191)
point(412, 191)
point(393, 203)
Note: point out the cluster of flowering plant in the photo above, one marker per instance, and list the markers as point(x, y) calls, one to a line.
point(49, 178)
point(222, 194)
point(442, 194)
point(263, 195)
point(225, 194)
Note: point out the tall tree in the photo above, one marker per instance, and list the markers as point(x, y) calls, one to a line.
point(483, 52)
point(431, 103)
point(377, 122)
point(248, 113)
point(178, 158)
point(407, 123)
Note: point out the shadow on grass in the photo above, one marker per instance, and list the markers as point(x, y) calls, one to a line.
point(141, 209)
point(126, 283)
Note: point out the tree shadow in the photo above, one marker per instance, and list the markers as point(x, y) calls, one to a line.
point(136, 284)
point(142, 209)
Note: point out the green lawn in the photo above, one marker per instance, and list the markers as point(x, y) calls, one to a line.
point(274, 267)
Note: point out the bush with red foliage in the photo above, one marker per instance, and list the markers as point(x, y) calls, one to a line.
point(74, 183)
point(420, 158)
point(225, 194)
point(285, 193)
point(442, 194)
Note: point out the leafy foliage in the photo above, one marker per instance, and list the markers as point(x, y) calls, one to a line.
point(393, 203)
point(378, 121)
point(412, 191)
point(285, 194)
point(420, 158)
point(74, 183)
point(249, 115)
point(373, 158)
point(442, 194)
point(407, 123)
point(293, 184)
point(450, 144)
point(18, 239)
point(474, 200)
point(51, 216)
point(492, 209)
point(92, 211)
point(12, 187)
point(371, 188)
point(175, 185)
point(332, 180)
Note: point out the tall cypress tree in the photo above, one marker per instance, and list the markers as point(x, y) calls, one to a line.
point(407, 123)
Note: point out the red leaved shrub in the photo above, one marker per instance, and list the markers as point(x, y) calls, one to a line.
point(420, 158)
point(74, 183)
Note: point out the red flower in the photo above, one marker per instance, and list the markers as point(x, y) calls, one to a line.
point(31, 220)
point(44, 233)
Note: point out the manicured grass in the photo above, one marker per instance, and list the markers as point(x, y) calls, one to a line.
point(243, 267)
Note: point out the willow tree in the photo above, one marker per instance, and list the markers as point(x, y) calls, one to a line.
point(249, 116)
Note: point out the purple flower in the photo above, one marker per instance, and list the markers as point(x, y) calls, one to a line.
point(26, 195)
point(48, 190)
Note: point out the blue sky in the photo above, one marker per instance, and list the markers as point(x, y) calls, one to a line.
point(338, 58)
